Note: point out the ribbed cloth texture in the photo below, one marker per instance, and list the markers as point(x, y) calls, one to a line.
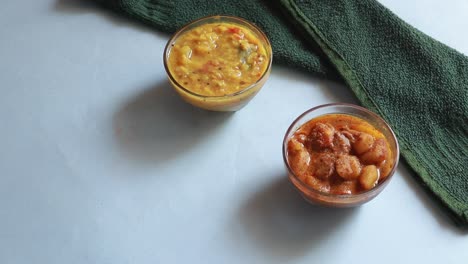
point(417, 84)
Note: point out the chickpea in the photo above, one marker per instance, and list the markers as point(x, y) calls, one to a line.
point(377, 154)
point(369, 177)
point(348, 167)
point(341, 143)
point(363, 143)
point(322, 136)
point(323, 165)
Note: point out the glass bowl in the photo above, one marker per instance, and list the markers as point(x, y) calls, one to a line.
point(229, 102)
point(343, 200)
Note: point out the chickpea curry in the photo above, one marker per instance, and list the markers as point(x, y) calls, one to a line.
point(217, 59)
point(339, 154)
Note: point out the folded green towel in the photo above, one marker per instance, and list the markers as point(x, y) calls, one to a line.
point(419, 85)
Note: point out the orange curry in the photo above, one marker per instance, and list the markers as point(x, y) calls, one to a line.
point(339, 154)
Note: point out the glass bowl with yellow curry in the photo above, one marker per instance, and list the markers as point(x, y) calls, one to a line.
point(218, 63)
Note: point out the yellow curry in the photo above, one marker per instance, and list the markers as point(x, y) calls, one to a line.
point(217, 59)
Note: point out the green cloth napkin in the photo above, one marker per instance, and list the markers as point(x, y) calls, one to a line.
point(417, 84)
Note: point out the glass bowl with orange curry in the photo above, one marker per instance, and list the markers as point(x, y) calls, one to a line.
point(340, 155)
point(218, 63)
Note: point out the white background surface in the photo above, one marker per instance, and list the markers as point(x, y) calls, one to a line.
point(100, 162)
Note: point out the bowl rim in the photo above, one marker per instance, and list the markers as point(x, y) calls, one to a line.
point(377, 188)
point(241, 21)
